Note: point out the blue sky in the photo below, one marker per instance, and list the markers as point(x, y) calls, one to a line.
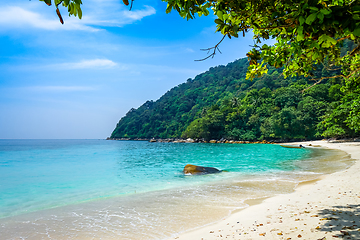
point(78, 79)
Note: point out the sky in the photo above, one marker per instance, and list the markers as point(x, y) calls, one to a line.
point(77, 80)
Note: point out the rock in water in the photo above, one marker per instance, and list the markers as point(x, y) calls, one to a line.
point(193, 169)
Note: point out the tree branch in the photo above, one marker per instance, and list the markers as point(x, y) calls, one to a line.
point(132, 1)
point(355, 50)
point(59, 3)
point(216, 47)
point(352, 73)
point(319, 80)
point(340, 39)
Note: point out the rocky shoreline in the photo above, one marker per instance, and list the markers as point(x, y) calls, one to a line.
point(223, 140)
point(190, 140)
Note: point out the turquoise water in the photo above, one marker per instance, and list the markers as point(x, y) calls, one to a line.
point(68, 176)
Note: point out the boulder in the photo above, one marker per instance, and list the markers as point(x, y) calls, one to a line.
point(193, 169)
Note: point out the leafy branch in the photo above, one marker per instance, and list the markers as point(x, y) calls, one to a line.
point(319, 80)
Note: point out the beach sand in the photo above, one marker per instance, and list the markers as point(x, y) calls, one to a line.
point(325, 209)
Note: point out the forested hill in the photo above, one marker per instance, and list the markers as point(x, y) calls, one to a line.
point(221, 103)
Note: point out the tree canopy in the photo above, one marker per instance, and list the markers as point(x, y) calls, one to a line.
point(307, 32)
point(221, 103)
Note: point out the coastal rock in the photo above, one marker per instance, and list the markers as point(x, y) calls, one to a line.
point(193, 169)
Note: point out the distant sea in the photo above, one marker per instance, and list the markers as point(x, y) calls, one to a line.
point(91, 189)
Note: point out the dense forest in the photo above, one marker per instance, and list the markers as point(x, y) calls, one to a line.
point(221, 103)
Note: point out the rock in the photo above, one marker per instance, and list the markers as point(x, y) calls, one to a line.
point(193, 169)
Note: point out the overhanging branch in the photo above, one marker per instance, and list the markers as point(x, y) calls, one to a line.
point(215, 48)
point(319, 80)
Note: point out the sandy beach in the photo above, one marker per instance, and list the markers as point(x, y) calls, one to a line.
point(328, 208)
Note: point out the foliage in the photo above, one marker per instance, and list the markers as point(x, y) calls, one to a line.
point(221, 103)
point(344, 119)
point(73, 7)
point(307, 32)
point(266, 114)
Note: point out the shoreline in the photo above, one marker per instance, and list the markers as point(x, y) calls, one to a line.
point(327, 208)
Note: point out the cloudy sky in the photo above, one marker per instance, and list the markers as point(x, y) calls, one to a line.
point(78, 79)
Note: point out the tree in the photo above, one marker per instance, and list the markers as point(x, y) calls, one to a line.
point(307, 31)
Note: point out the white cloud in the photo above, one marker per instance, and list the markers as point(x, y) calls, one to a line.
point(17, 17)
point(117, 17)
point(190, 50)
point(61, 88)
point(95, 13)
point(85, 64)
point(139, 14)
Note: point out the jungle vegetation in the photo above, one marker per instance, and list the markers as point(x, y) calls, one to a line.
point(222, 103)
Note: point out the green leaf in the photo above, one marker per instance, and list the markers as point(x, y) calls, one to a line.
point(326, 40)
point(314, 56)
point(300, 37)
point(220, 15)
point(71, 8)
point(311, 18)
point(80, 13)
point(168, 8)
point(356, 17)
point(320, 16)
point(206, 12)
point(235, 28)
point(301, 20)
point(300, 34)
point(356, 32)
point(182, 14)
point(325, 11)
point(218, 21)
point(322, 38)
point(314, 8)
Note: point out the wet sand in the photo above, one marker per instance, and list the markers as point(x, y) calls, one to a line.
point(328, 208)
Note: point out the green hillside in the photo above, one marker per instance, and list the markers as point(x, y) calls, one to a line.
point(221, 103)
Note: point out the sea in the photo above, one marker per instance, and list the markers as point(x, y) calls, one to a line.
point(106, 189)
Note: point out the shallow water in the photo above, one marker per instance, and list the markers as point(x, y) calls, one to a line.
point(90, 189)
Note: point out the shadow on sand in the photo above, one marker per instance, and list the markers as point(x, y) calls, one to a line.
point(341, 221)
